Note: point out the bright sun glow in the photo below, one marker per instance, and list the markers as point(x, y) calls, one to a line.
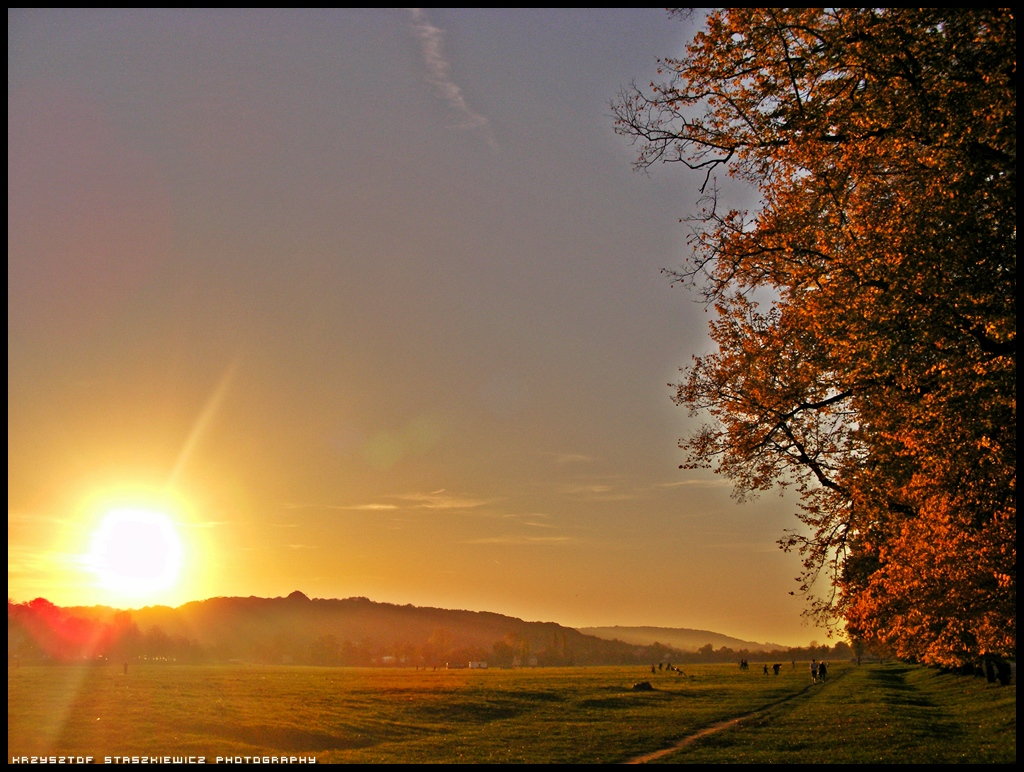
point(136, 553)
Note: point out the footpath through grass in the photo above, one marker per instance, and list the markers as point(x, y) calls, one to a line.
point(869, 714)
point(874, 714)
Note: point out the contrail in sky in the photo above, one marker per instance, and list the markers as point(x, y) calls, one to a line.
point(439, 74)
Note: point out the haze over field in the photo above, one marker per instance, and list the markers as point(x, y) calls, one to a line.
point(366, 302)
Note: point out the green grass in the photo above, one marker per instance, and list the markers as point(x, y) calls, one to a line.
point(892, 713)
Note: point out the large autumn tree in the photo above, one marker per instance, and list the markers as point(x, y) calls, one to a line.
point(864, 310)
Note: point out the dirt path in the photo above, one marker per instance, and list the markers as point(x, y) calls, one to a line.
point(719, 727)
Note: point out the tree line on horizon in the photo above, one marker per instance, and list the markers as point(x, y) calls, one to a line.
point(335, 633)
point(864, 311)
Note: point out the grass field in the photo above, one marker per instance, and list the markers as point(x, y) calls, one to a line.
point(868, 714)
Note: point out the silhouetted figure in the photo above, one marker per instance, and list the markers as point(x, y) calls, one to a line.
point(776, 668)
point(990, 670)
point(822, 671)
point(766, 669)
point(814, 671)
point(653, 669)
point(1004, 672)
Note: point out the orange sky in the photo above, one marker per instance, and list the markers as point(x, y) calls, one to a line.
point(369, 303)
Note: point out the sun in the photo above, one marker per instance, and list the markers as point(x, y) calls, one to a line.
point(136, 553)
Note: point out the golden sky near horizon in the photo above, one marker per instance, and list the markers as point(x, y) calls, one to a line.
point(360, 303)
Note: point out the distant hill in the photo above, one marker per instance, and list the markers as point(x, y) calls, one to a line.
point(681, 638)
point(299, 630)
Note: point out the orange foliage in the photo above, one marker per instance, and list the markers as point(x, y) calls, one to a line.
point(880, 379)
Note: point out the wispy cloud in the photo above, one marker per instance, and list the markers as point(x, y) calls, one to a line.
point(716, 483)
point(26, 561)
point(370, 507)
point(537, 523)
point(439, 75)
point(530, 519)
point(570, 458)
point(598, 492)
point(441, 499)
point(514, 539)
point(437, 499)
point(43, 573)
point(36, 517)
